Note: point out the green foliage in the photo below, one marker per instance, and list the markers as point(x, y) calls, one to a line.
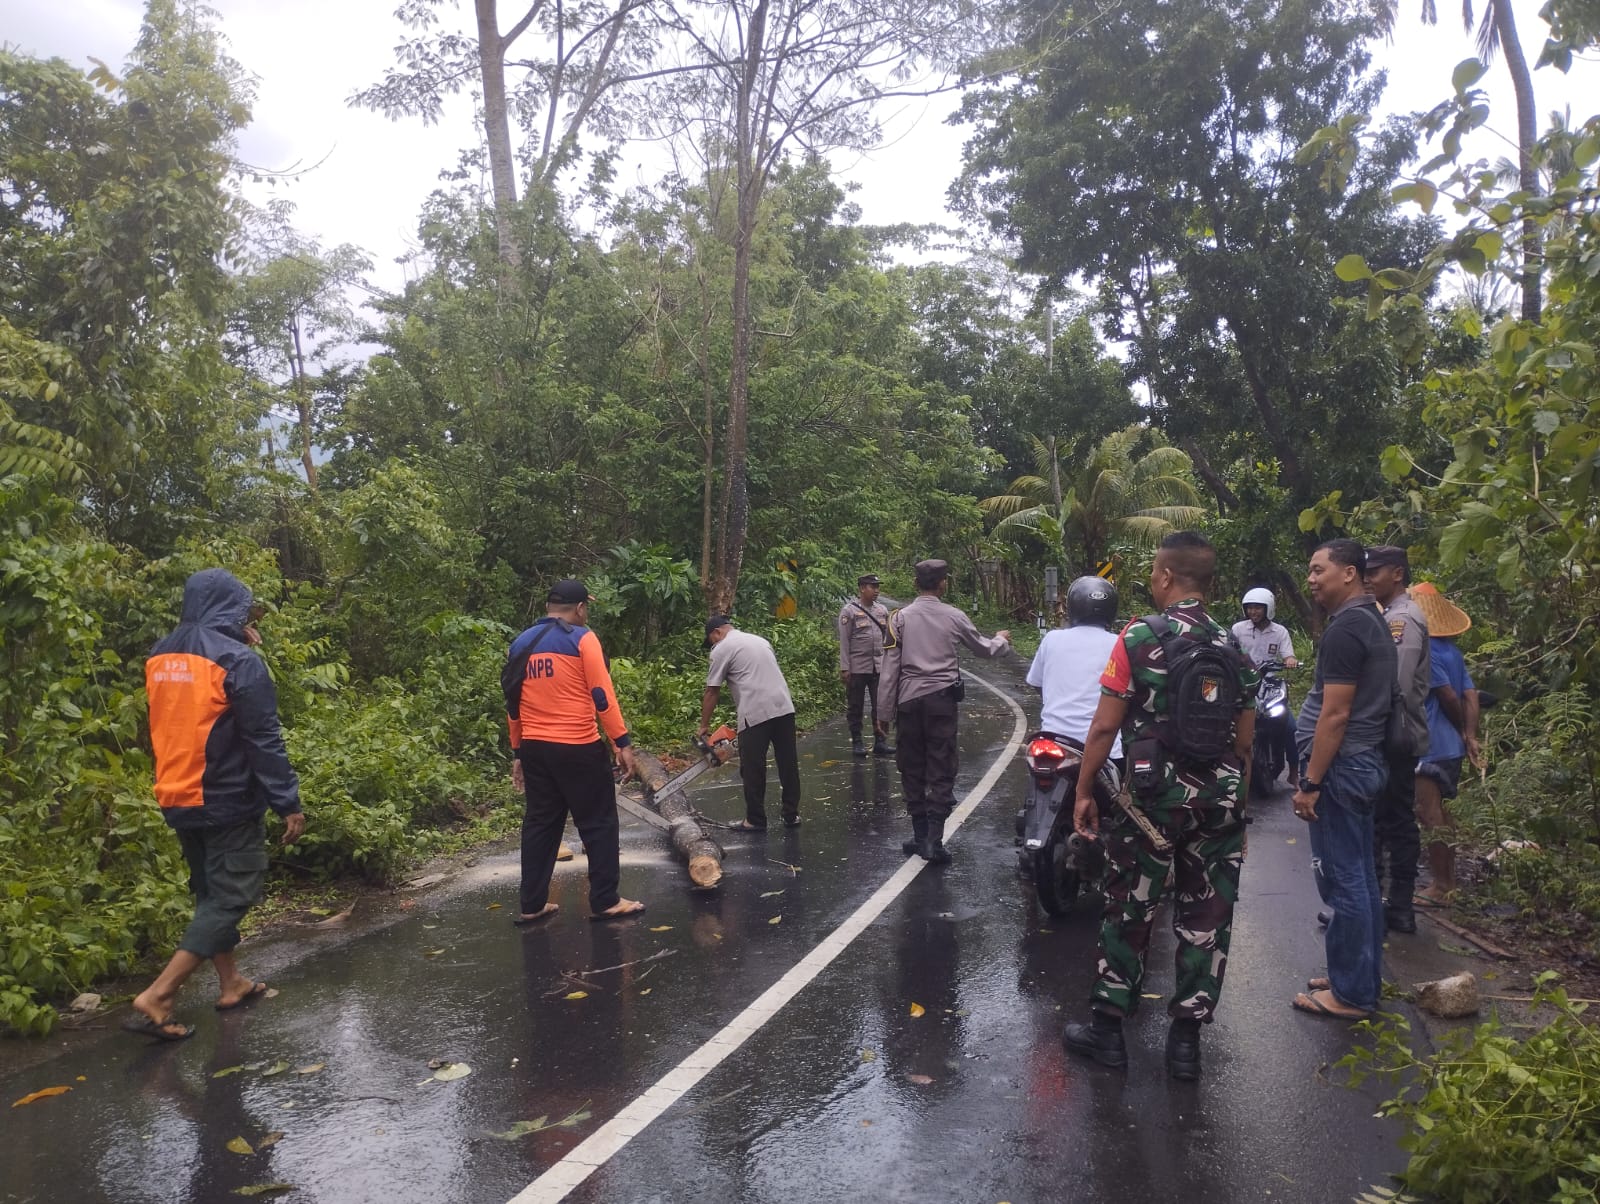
point(1542, 786)
point(1494, 1119)
point(1126, 492)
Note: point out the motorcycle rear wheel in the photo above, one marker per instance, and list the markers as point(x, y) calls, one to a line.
point(1055, 877)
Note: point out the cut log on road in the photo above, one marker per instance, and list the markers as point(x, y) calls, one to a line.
point(703, 854)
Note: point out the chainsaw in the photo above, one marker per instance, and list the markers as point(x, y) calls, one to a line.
point(715, 751)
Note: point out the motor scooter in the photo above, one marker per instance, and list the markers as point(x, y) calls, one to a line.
point(1058, 861)
point(1272, 735)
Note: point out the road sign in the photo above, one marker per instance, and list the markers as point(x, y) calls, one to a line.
point(1108, 570)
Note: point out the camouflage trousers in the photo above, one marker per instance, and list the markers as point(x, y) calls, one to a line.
point(1207, 849)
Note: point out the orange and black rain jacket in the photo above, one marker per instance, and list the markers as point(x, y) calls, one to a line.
point(220, 758)
point(556, 682)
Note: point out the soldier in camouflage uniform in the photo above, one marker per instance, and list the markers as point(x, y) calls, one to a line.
point(1194, 824)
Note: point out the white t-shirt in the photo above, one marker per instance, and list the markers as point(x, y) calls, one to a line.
point(1067, 670)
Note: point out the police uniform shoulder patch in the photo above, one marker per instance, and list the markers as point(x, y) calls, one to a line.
point(1397, 628)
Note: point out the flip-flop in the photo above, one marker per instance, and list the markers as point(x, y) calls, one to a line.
point(256, 991)
point(522, 921)
point(1313, 1006)
point(141, 1025)
point(636, 909)
point(744, 825)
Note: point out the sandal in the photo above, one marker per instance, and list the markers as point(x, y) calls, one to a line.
point(623, 909)
point(256, 991)
point(544, 913)
point(141, 1025)
point(744, 825)
point(1311, 1005)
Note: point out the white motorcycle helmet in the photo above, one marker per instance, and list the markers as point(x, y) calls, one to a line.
point(1261, 596)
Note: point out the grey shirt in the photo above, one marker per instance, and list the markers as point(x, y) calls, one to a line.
point(920, 655)
point(1356, 650)
point(1410, 632)
point(747, 663)
point(861, 630)
point(1263, 644)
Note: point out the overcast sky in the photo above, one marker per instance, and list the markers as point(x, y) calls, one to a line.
point(309, 55)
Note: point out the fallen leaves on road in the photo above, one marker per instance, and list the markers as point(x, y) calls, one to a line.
point(917, 1010)
point(771, 894)
point(44, 1093)
point(271, 1139)
point(240, 1146)
point(276, 1068)
point(869, 1055)
point(1291, 840)
point(826, 764)
point(447, 1072)
point(523, 1127)
point(775, 920)
point(271, 993)
point(1148, 995)
point(264, 1189)
point(226, 1071)
point(432, 952)
point(493, 907)
point(311, 1069)
point(576, 995)
point(646, 991)
point(662, 928)
point(921, 1080)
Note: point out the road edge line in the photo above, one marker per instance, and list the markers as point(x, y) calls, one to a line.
point(606, 1142)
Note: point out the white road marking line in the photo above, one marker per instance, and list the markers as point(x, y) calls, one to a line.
point(608, 1140)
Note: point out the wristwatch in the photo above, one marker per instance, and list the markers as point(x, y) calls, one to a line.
point(1307, 786)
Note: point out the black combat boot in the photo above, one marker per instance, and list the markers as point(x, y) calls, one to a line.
point(882, 748)
point(933, 843)
point(857, 747)
point(1183, 1050)
point(1100, 1039)
point(919, 833)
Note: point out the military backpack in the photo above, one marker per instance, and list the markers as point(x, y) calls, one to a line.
point(1204, 693)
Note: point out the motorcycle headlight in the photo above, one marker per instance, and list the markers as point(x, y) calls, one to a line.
point(1275, 710)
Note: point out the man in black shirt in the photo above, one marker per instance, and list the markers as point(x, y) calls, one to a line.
point(1340, 736)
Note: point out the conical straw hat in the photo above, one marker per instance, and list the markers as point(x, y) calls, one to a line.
point(1444, 617)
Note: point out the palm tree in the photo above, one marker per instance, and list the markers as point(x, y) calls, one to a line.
point(1117, 497)
point(1497, 32)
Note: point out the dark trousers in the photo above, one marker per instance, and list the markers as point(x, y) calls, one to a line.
point(227, 869)
point(855, 696)
point(779, 735)
point(1395, 834)
point(561, 780)
point(925, 752)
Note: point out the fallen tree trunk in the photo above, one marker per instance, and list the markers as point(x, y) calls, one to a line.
point(703, 854)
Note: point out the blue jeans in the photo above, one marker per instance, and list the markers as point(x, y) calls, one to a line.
point(1341, 859)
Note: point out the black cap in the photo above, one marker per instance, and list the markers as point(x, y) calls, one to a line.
point(569, 591)
point(930, 573)
point(714, 622)
point(868, 579)
point(1387, 554)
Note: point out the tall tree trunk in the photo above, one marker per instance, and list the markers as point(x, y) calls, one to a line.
point(748, 172)
point(497, 128)
point(709, 433)
point(302, 405)
point(1527, 136)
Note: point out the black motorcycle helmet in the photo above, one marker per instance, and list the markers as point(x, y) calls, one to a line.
point(1092, 602)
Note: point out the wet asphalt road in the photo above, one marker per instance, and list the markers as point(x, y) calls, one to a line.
point(842, 1095)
